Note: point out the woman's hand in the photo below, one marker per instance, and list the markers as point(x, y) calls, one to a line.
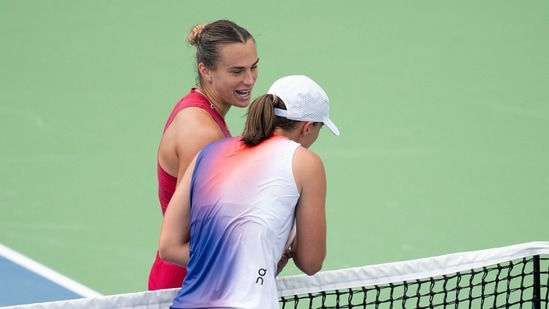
point(286, 256)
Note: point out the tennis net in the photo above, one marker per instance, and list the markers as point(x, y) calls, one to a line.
point(508, 277)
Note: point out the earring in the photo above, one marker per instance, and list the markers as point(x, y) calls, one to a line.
point(210, 79)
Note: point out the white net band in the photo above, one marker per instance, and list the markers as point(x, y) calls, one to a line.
point(349, 278)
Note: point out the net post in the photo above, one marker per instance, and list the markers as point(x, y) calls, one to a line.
point(536, 299)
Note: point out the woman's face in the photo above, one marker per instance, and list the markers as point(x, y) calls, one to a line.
point(234, 77)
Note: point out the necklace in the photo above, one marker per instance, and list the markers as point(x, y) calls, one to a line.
point(212, 106)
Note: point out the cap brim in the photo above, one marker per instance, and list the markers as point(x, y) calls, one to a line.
point(331, 126)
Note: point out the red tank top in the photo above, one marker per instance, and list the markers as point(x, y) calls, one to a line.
point(165, 275)
point(167, 182)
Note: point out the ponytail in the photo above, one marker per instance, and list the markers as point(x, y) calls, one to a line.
point(261, 120)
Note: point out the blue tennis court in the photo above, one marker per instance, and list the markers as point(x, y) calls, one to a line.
point(26, 281)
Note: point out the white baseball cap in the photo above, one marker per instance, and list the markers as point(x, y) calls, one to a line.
point(304, 99)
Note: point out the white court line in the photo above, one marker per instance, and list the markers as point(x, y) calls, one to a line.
point(47, 273)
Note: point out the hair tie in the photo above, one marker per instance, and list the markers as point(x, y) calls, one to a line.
point(274, 98)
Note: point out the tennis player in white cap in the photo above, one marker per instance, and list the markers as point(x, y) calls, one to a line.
point(230, 218)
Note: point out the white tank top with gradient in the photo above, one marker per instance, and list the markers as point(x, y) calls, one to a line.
point(242, 209)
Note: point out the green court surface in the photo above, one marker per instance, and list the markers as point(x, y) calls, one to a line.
point(443, 108)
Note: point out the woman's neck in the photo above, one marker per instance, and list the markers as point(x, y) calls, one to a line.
point(222, 109)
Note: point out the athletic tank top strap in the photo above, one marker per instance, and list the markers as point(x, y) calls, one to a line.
point(197, 99)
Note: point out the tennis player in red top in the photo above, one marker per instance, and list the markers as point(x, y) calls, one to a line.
point(226, 57)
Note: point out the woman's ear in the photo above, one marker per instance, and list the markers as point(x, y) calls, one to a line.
point(307, 126)
point(204, 71)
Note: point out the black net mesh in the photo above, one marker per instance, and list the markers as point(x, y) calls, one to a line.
point(521, 283)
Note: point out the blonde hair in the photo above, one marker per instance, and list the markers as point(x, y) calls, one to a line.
point(194, 35)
